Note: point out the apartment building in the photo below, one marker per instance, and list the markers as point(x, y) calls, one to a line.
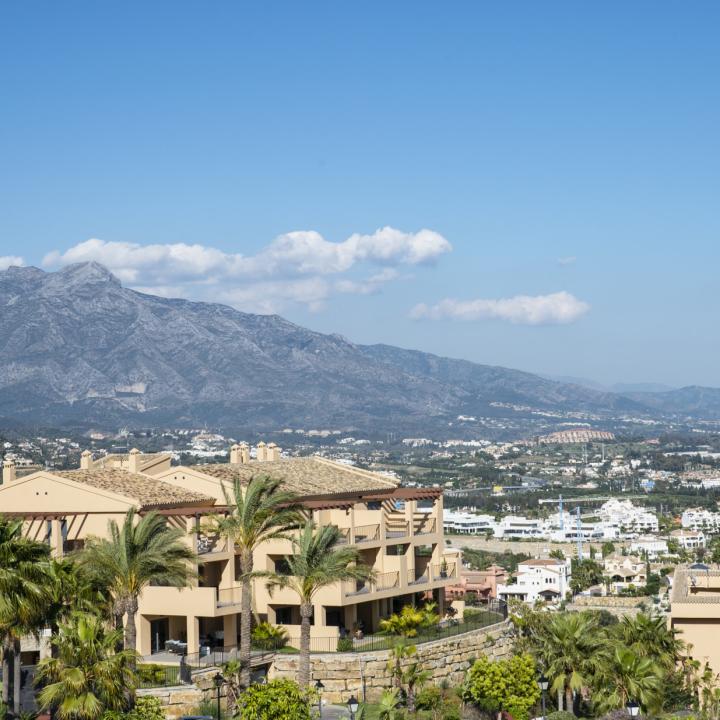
point(465, 523)
point(622, 571)
point(700, 519)
point(482, 583)
point(399, 532)
point(520, 527)
point(650, 546)
point(695, 612)
point(545, 579)
point(689, 539)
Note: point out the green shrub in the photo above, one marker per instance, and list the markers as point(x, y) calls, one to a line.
point(345, 644)
point(266, 636)
point(560, 715)
point(429, 698)
point(509, 684)
point(278, 700)
point(146, 708)
point(151, 673)
point(452, 712)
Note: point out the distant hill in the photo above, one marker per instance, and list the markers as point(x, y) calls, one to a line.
point(78, 348)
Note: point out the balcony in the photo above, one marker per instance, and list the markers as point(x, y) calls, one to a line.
point(229, 596)
point(210, 544)
point(396, 528)
point(445, 570)
point(381, 582)
point(425, 526)
point(344, 538)
point(415, 578)
point(367, 533)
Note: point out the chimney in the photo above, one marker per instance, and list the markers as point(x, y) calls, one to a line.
point(244, 453)
point(261, 451)
point(134, 460)
point(235, 458)
point(86, 460)
point(273, 452)
point(8, 471)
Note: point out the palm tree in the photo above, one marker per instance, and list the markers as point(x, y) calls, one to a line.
point(571, 647)
point(263, 511)
point(88, 676)
point(317, 562)
point(23, 576)
point(628, 676)
point(651, 637)
point(138, 554)
point(389, 704)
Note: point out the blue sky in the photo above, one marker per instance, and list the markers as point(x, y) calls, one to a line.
point(562, 158)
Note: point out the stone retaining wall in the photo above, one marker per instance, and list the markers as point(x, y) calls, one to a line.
point(618, 606)
point(344, 674)
point(611, 601)
point(184, 699)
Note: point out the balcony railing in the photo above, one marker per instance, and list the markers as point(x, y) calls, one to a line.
point(344, 538)
point(415, 578)
point(229, 596)
point(382, 581)
point(357, 587)
point(388, 580)
point(444, 570)
point(367, 533)
point(397, 528)
point(425, 526)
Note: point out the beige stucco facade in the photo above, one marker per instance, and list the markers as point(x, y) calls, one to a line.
point(398, 531)
point(695, 612)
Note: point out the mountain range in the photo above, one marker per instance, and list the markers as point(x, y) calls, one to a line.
point(79, 349)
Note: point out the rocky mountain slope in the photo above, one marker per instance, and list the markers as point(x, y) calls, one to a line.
point(78, 348)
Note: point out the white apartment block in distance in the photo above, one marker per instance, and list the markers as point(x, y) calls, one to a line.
point(700, 519)
point(545, 579)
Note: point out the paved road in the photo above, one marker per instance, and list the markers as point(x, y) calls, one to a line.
point(335, 712)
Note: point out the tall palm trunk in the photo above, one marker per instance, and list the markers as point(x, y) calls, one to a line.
point(246, 567)
point(17, 675)
point(569, 700)
point(131, 625)
point(560, 699)
point(6, 665)
point(306, 611)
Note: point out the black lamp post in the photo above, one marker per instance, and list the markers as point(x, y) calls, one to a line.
point(219, 680)
point(319, 687)
point(633, 709)
point(353, 706)
point(543, 685)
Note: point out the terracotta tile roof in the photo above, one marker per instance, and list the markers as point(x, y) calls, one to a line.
point(145, 490)
point(544, 562)
point(308, 476)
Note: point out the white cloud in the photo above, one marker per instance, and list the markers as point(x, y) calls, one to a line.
point(555, 309)
point(7, 261)
point(288, 270)
point(568, 260)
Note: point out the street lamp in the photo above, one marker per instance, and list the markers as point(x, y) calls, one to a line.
point(353, 706)
point(219, 680)
point(319, 687)
point(633, 708)
point(543, 685)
